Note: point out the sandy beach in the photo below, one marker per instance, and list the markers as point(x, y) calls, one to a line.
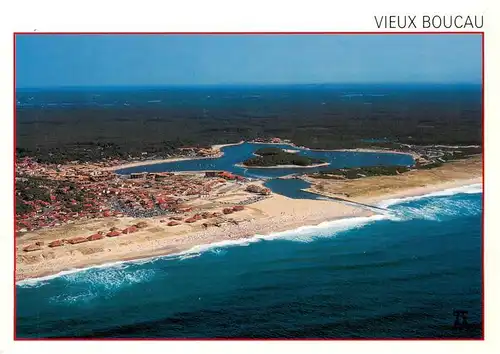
point(378, 151)
point(218, 147)
point(283, 166)
point(155, 162)
point(274, 214)
point(416, 182)
point(221, 146)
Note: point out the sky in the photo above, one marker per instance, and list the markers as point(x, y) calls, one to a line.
point(151, 60)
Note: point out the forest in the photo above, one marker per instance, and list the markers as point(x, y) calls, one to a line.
point(316, 117)
point(275, 157)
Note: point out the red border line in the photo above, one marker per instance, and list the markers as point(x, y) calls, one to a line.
point(250, 33)
point(483, 194)
point(14, 179)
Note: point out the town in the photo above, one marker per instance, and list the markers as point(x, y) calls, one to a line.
point(53, 195)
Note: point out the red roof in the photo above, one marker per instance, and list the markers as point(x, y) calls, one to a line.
point(79, 239)
point(31, 248)
point(56, 243)
point(95, 237)
point(129, 230)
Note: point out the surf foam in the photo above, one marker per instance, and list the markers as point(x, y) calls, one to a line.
point(468, 189)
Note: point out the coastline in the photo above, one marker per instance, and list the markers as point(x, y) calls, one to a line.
point(408, 193)
point(380, 151)
point(221, 146)
point(282, 166)
point(412, 154)
point(155, 162)
point(218, 147)
point(263, 218)
point(415, 182)
point(220, 153)
point(275, 214)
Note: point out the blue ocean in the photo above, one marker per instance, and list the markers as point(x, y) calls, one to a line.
point(399, 275)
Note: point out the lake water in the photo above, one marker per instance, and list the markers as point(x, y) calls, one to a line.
point(236, 154)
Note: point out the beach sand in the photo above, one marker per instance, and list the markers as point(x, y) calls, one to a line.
point(154, 162)
point(415, 182)
point(221, 146)
point(218, 147)
point(273, 214)
point(282, 166)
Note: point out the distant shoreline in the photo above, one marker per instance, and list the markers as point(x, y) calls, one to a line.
point(283, 166)
point(159, 161)
point(381, 151)
point(219, 147)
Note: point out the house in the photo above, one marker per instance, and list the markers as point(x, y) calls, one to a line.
point(129, 230)
point(138, 175)
point(95, 237)
point(141, 225)
point(113, 233)
point(78, 239)
point(226, 175)
point(56, 243)
point(31, 248)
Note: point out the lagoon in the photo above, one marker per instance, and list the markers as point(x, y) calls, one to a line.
point(236, 154)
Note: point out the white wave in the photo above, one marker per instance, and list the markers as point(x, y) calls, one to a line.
point(188, 256)
point(66, 298)
point(111, 278)
point(301, 234)
point(468, 189)
point(437, 209)
point(36, 282)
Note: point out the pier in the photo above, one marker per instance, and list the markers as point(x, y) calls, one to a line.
point(348, 201)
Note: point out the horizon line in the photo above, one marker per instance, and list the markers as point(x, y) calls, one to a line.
point(396, 83)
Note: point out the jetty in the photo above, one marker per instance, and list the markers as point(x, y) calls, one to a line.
point(348, 201)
